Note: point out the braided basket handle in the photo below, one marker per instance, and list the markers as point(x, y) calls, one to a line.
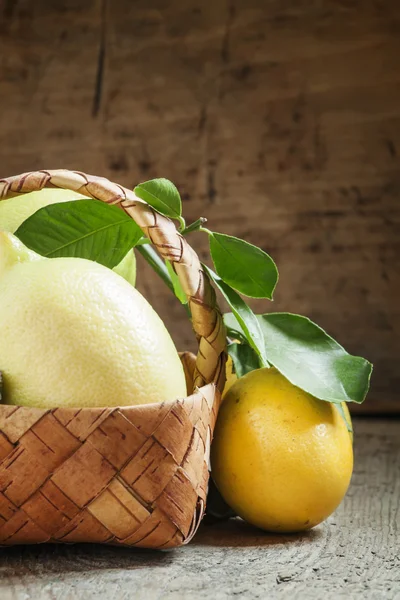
point(171, 245)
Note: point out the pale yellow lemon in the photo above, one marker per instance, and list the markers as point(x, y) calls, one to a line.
point(280, 458)
point(73, 333)
point(13, 251)
point(15, 211)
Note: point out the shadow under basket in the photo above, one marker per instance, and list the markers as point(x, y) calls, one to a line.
point(132, 476)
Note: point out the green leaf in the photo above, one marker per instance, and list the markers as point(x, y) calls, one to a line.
point(244, 358)
point(342, 414)
point(244, 314)
point(179, 293)
point(243, 266)
point(81, 228)
point(233, 328)
point(162, 195)
point(311, 359)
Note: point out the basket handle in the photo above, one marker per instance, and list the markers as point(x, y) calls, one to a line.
point(161, 231)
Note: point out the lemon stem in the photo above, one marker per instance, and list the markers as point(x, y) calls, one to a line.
point(195, 226)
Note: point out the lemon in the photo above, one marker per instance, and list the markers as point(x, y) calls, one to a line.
point(13, 251)
point(280, 458)
point(231, 378)
point(73, 333)
point(15, 211)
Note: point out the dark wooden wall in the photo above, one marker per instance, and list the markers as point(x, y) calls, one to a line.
point(278, 119)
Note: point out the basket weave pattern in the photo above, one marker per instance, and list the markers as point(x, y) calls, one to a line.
point(137, 475)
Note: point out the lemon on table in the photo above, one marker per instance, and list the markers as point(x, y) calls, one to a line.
point(14, 211)
point(280, 458)
point(73, 333)
point(231, 378)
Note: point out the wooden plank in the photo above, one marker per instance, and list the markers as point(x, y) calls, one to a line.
point(353, 555)
point(279, 121)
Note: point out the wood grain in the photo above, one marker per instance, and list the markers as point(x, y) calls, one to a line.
point(279, 121)
point(354, 555)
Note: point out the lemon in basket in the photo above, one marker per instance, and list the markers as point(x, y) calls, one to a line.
point(14, 211)
point(281, 459)
point(73, 333)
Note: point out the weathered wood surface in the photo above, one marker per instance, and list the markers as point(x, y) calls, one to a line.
point(279, 120)
point(354, 555)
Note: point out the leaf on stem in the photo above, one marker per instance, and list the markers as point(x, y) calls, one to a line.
point(244, 358)
point(162, 195)
point(81, 228)
point(310, 358)
point(243, 313)
point(243, 266)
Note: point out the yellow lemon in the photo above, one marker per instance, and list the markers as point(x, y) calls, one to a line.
point(73, 333)
point(281, 458)
point(15, 211)
point(231, 378)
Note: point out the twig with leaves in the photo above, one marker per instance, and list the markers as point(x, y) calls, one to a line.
point(303, 352)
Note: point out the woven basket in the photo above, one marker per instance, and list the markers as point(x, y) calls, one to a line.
point(135, 476)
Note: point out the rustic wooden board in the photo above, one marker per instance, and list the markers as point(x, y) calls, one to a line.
point(354, 555)
point(280, 121)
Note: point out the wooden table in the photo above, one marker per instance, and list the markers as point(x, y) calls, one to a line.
point(354, 555)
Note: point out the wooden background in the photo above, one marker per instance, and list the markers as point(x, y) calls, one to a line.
point(279, 120)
